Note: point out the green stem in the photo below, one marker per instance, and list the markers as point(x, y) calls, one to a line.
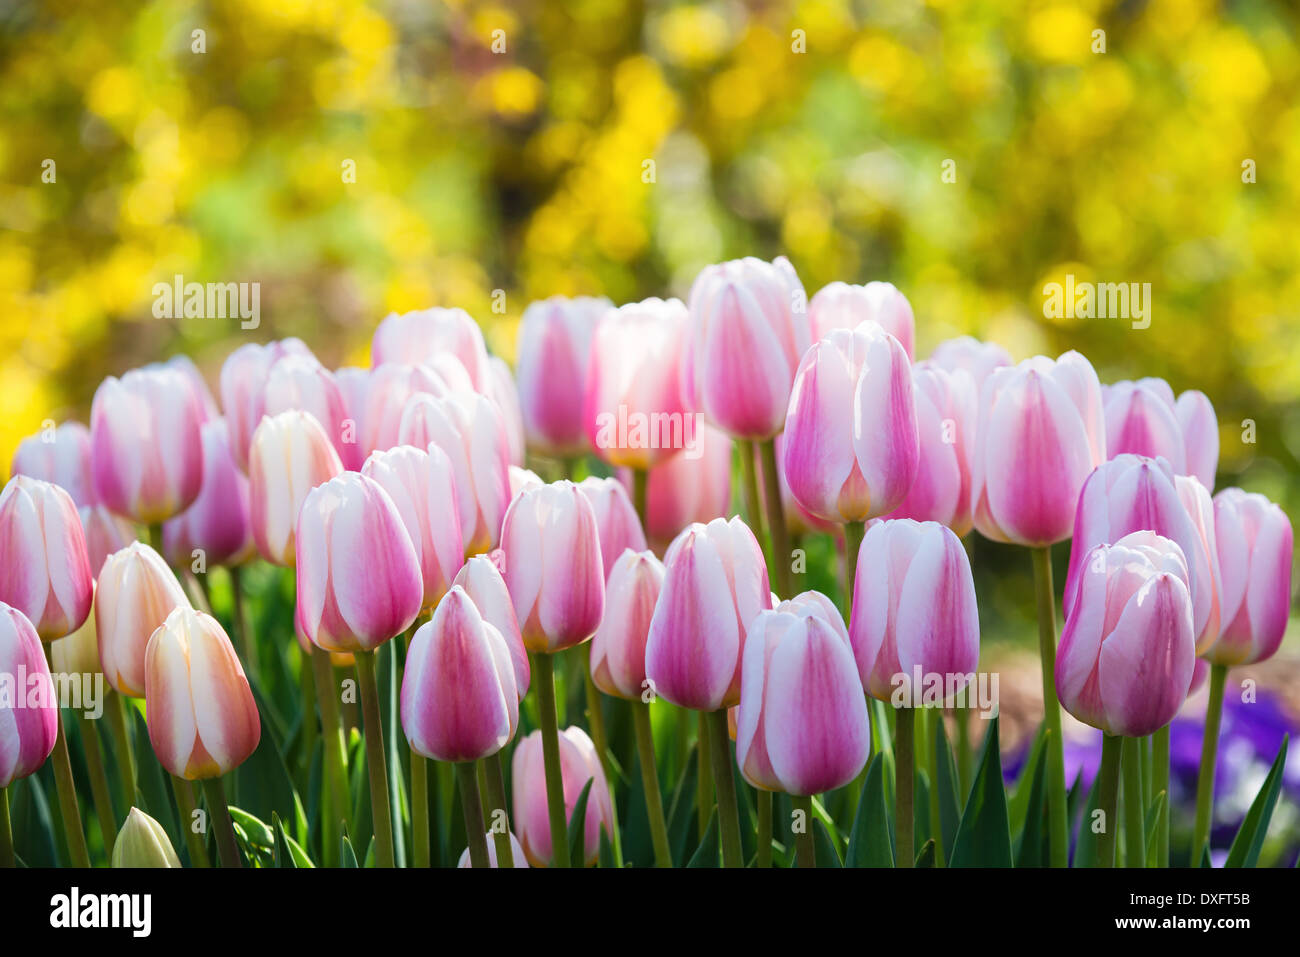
point(704, 779)
point(749, 485)
point(67, 788)
point(116, 708)
point(471, 804)
point(904, 775)
point(242, 630)
point(544, 680)
point(640, 494)
point(156, 538)
point(376, 764)
point(776, 518)
point(853, 532)
point(336, 776)
point(7, 858)
point(1159, 783)
point(98, 783)
point(596, 719)
point(420, 855)
point(1108, 795)
point(962, 716)
point(496, 795)
point(1135, 845)
point(805, 848)
point(645, 748)
point(1058, 831)
point(724, 782)
point(219, 812)
point(936, 822)
point(198, 591)
point(185, 806)
point(764, 858)
point(1209, 751)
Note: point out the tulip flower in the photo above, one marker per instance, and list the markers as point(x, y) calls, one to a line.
point(469, 428)
point(968, 354)
point(60, 456)
point(633, 408)
point(136, 594)
point(503, 391)
point(616, 520)
point(840, 305)
point(1200, 435)
point(28, 718)
point(748, 329)
point(218, 523)
point(290, 455)
point(44, 569)
point(78, 653)
point(243, 389)
point(579, 764)
point(105, 533)
point(145, 451)
point(354, 387)
point(1141, 419)
point(618, 647)
point(521, 479)
point(390, 390)
point(302, 383)
point(422, 486)
point(143, 842)
point(687, 488)
point(482, 582)
point(184, 365)
point(1255, 546)
point(517, 856)
point(554, 342)
point(423, 335)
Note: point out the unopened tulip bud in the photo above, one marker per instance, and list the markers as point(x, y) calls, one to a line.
point(616, 519)
point(243, 389)
point(44, 569)
point(29, 729)
point(688, 488)
point(503, 391)
point(579, 764)
point(516, 852)
point(968, 354)
point(1141, 419)
point(218, 524)
point(1200, 428)
point(143, 842)
point(290, 455)
point(554, 342)
point(840, 305)
point(482, 581)
point(106, 533)
point(60, 456)
point(135, 595)
point(425, 334)
point(618, 647)
point(300, 382)
point(391, 387)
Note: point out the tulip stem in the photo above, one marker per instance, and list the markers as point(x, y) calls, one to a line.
point(932, 753)
point(1059, 836)
point(1135, 845)
point(116, 708)
point(1108, 795)
point(1209, 750)
point(776, 518)
point(337, 807)
point(66, 786)
point(853, 532)
point(640, 494)
point(185, 806)
point(596, 718)
point(1159, 783)
point(7, 858)
point(420, 856)
point(725, 784)
point(496, 795)
point(219, 812)
point(471, 804)
point(376, 764)
point(764, 856)
point(241, 623)
point(98, 782)
point(654, 805)
point(904, 775)
point(749, 485)
point(805, 848)
point(704, 779)
point(544, 668)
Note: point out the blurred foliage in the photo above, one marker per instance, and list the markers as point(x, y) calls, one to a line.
point(812, 127)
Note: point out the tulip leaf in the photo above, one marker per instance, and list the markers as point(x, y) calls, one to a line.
point(869, 842)
point(1154, 825)
point(389, 691)
point(606, 851)
point(154, 791)
point(706, 855)
point(32, 823)
point(263, 784)
point(880, 729)
point(258, 832)
point(1206, 861)
point(347, 856)
point(1018, 805)
point(984, 834)
point(920, 810)
point(946, 783)
point(1254, 828)
point(927, 855)
point(827, 855)
point(1085, 849)
point(288, 852)
point(1032, 848)
point(681, 812)
point(578, 827)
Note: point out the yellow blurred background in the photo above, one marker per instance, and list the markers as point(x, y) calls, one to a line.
point(356, 158)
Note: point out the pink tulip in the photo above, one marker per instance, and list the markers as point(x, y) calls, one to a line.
point(202, 719)
point(359, 581)
point(553, 566)
point(802, 725)
point(482, 581)
point(354, 387)
point(422, 486)
point(715, 583)
point(521, 479)
point(968, 354)
point(913, 608)
point(502, 391)
point(1039, 434)
point(840, 305)
point(516, 852)
point(218, 523)
point(851, 441)
point(29, 718)
point(554, 342)
point(1127, 653)
point(425, 334)
point(616, 519)
point(61, 456)
point(748, 329)
point(798, 520)
point(579, 764)
point(300, 382)
point(184, 365)
point(391, 388)
point(44, 569)
point(1141, 419)
point(618, 647)
point(1200, 435)
point(146, 454)
point(290, 455)
point(459, 700)
point(946, 406)
point(1255, 543)
point(687, 488)
point(105, 532)
point(136, 593)
point(633, 408)
point(243, 388)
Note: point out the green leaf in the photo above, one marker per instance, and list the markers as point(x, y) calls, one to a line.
point(347, 857)
point(681, 811)
point(288, 852)
point(1205, 857)
point(706, 855)
point(32, 823)
point(1085, 848)
point(1154, 823)
point(258, 832)
point(389, 691)
point(1032, 849)
point(1018, 806)
point(606, 851)
point(827, 855)
point(947, 786)
point(153, 790)
point(984, 834)
point(1254, 828)
point(926, 857)
point(869, 842)
point(578, 827)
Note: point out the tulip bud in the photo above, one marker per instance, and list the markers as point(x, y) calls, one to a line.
point(1127, 653)
point(968, 354)
point(425, 334)
point(359, 581)
point(29, 723)
point(554, 343)
point(135, 595)
point(715, 582)
point(1141, 419)
point(616, 519)
point(840, 305)
point(851, 441)
point(516, 852)
point(44, 569)
point(802, 726)
point(482, 581)
point(143, 842)
point(521, 479)
point(503, 392)
point(579, 764)
point(459, 699)
point(218, 523)
point(913, 608)
point(60, 456)
point(105, 532)
point(1255, 547)
point(185, 366)
point(1200, 435)
point(391, 388)
point(243, 389)
point(302, 383)
point(422, 487)
point(354, 387)
point(290, 456)
point(748, 329)
point(1039, 434)
point(553, 566)
point(145, 452)
point(202, 719)
point(618, 647)
point(687, 488)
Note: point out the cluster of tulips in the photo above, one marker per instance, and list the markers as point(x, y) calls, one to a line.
point(399, 496)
